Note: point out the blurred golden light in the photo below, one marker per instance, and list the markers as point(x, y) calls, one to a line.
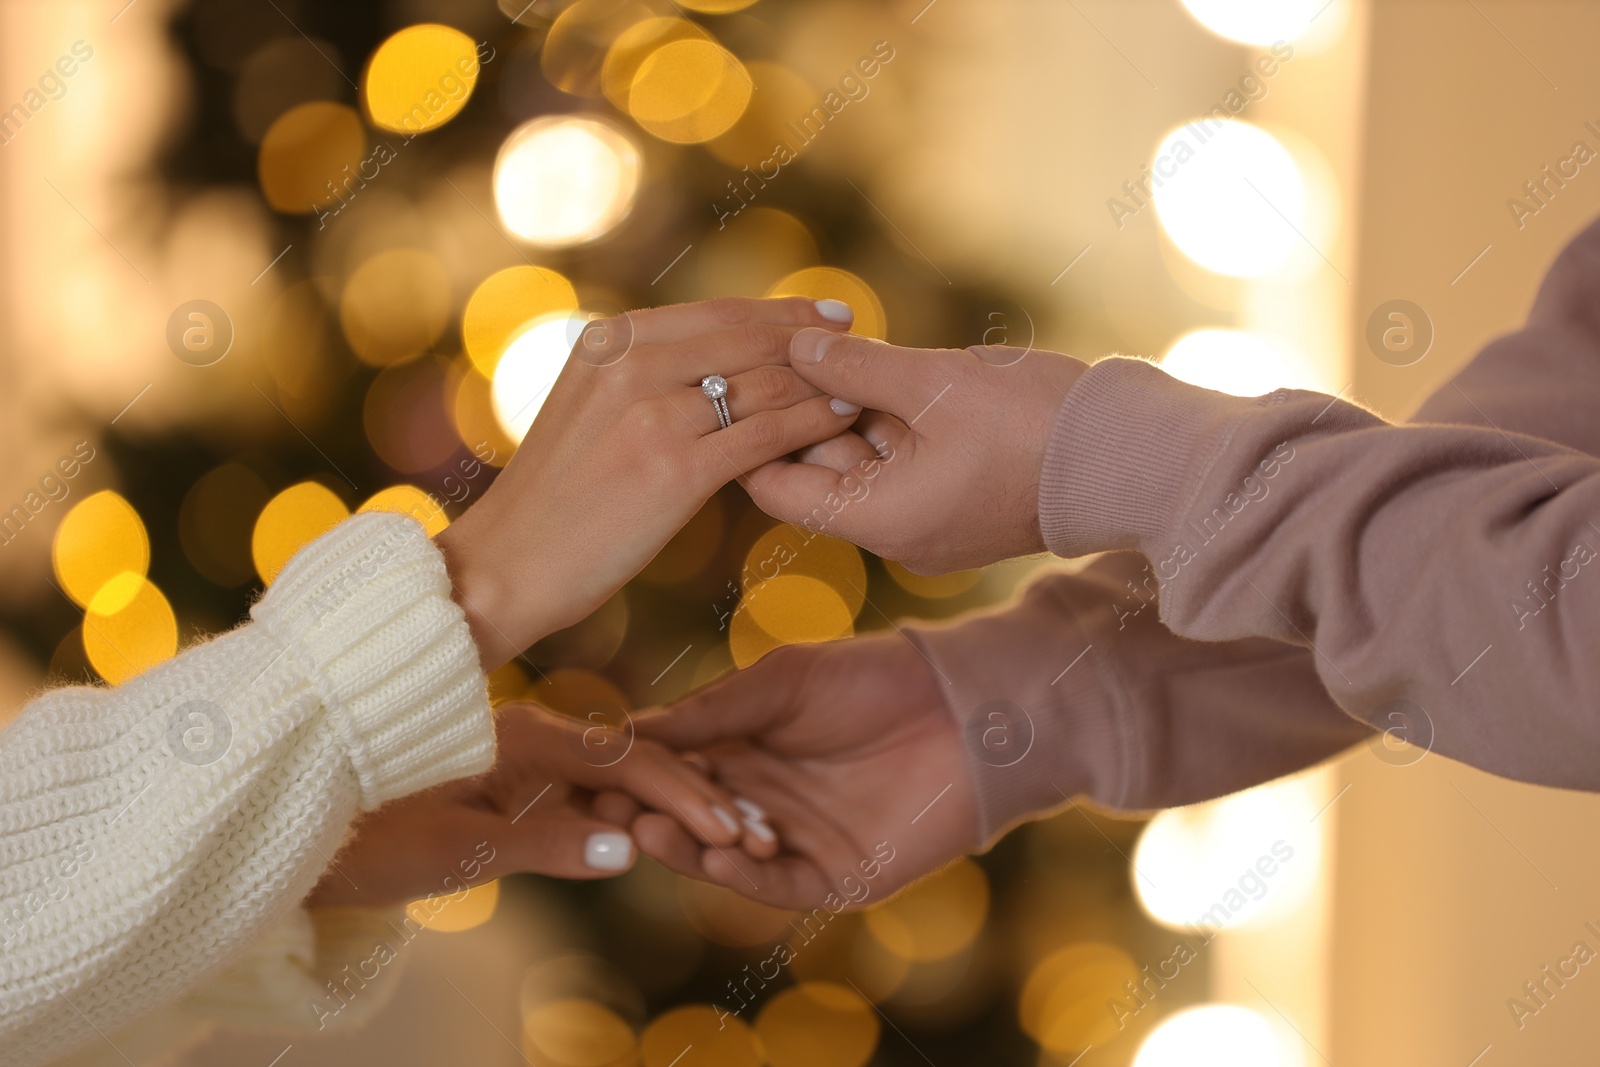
point(528, 371)
point(786, 549)
point(849, 955)
point(298, 345)
point(727, 1042)
point(581, 38)
point(796, 609)
point(420, 78)
point(563, 180)
point(751, 253)
point(454, 912)
point(936, 917)
point(577, 1032)
point(689, 91)
point(1258, 22)
point(1247, 859)
point(1213, 1035)
point(633, 46)
point(578, 693)
point(504, 304)
point(395, 306)
point(405, 417)
point(716, 7)
point(747, 641)
point(831, 283)
point(308, 153)
point(128, 628)
point(723, 916)
point(101, 537)
point(410, 501)
point(933, 586)
point(781, 96)
point(1064, 1001)
point(818, 1024)
point(290, 521)
point(1234, 203)
point(470, 395)
point(1240, 363)
point(691, 548)
point(215, 520)
point(280, 74)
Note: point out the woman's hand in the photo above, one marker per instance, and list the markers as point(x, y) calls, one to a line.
point(532, 812)
point(624, 452)
point(943, 473)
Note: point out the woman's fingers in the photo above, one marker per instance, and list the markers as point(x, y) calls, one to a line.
point(564, 844)
point(680, 322)
point(761, 389)
point(769, 435)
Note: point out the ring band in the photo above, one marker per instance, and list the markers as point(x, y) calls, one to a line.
point(715, 386)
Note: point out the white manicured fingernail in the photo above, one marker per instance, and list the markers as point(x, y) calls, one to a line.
point(835, 311)
point(751, 809)
point(760, 830)
point(725, 817)
point(608, 852)
point(843, 407)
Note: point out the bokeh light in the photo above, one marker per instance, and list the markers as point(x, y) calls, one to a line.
point(936, 917)
point(528, 370)
point(412, 502)
point(723, 916)
point(580, 39)
point(1241, 363)
point(1247, 859)
point(818, 1024)
point(420, 78)
point(563, 180)
point(101, 537)
point(831, 283)
point(933, 586)
point(1065, 999)
point(128, 628)
point(1213, 1035)
point(280, 75)
point(688, 91)
point(216, 519)
point(1258, 22)
point(290, 521)
point(633, 46)
point(716, 7)
point(504, 304)
point(308, 154)
point(395, 306)
point(405, 416)
point(455, 912)
point(781, 96)
point(1234, 203)
point(725, 1041)
point(752, 253)
point(576, 1032)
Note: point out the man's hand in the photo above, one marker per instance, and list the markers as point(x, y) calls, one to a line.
point(531, 813)
point(942, 473)
point(851, 751)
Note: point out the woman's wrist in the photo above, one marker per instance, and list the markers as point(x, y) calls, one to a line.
point(501, 627)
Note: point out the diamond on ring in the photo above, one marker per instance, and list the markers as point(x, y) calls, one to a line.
point(715, 387)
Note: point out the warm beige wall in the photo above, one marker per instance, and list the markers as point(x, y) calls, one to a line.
point(1441, 913)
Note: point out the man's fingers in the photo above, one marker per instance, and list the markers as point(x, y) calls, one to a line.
point(839, 453)
point(679, 322)
point(872, 374)
point(800, 493)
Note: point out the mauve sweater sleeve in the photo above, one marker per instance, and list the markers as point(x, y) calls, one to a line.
point(1149, 717)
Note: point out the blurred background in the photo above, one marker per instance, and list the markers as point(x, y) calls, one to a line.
point(268, 262)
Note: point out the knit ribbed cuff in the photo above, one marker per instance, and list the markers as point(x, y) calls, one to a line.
point(365, 614)
point(1037, 722)
point(1130, 448)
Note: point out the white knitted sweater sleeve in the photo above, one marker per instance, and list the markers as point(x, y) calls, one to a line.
point(151, 834)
